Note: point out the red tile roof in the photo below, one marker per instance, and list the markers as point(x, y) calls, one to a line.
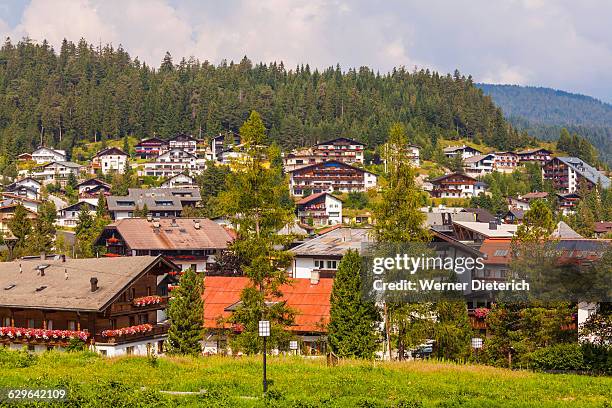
point(497, 251)
point(311, 197)
point(311, 302)
point(602, 227)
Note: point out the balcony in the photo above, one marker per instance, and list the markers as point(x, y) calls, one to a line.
point(127, 307)
point(156, 330)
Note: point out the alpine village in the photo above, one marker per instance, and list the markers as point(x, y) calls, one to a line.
point(167, 211)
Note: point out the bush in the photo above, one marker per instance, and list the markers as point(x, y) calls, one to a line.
point(558, 357)
point(16, 359)
point(597, 358)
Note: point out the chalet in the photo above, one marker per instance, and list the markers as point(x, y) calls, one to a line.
point(463, 150)
point(90, 190)
point(514, 216)
point(223, 142)
point(151, 148)
point(44, 155)
point(184, 142)
point(518, 203)
point(69, 216)
point(111, 160)
point(319, 209)
point(180, 181)
point(302, 157)
point(160, 202)
point(341, 149)
point(479, 165)
point(456, 185)
point(188, 242)
point(568, 202)
point(568, 173)
point(330, 176)
point(310, 299)
point(536, 195)
point(56, 172)
point(174, 162)
point(25, 187)
point(24, 157)
point(602, 229)
point(7, 212)
point(320, 256)
point(505, 162)
point(537, 155)
point(116, 306)
point(28, 203)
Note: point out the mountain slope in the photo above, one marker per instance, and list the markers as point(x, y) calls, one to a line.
point(544, 111)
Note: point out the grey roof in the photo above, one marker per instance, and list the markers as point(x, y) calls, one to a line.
point(334, 243)
point(565, 231)
point(450, 149)
point(153, 198)
point(74, 293)
point(586, 170)
point(65, 164)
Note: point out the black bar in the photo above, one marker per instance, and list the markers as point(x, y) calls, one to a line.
point(265, 380)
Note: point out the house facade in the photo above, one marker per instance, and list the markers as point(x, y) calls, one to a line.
point(223, 142)
point(151, 148)
point(115, 306)
point(319, 209)
point(330, 176)
point(479, 165)
point(456, 185)
point(505, 162)
point(341, 149)
point(540, 156)
point(159, 202)
point(184, 142)
point(180, 181)
point(174, 162)
point(44, 155)
point(56, 172)
point(69, 216)
point(568, 173)
point(463, 150)
point(188, 242)
point(111, 160)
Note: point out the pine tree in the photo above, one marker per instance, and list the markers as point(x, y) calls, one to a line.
point(101, 210)
point(43, 232)
point(452, 330)
point(538, 223)
point(186, 315)
point(253, 200)
point(21, 227)
point(353, 320)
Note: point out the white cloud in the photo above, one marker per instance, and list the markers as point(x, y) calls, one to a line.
point(558, 43)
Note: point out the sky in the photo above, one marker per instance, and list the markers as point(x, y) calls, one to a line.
point(562, 44)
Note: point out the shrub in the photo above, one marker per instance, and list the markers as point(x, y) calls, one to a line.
point(558, 357)
point(597, 357)
point(16, 359)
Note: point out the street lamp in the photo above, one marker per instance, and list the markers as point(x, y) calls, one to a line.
point(293, 345)
point(476, 345)
point(10, 241)
point(264, 331)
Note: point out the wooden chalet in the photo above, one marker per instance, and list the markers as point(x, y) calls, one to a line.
point(330, 176)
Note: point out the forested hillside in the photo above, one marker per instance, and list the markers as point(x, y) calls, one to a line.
point(82, 92)
point(543, 112)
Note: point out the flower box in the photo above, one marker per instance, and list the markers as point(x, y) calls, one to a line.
point(42, 334)
point(141, 328)
point(147, 300)
point(481, 313)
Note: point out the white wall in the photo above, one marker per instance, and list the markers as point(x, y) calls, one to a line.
point(140, 347)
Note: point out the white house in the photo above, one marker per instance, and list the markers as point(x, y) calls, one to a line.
point(463, 150)
point(69, 216)
point(173, 163)
point(56, 171)
point(479, 165)
point(180, 180)
point(25, 187)
point(414, 154)
point(44, 155)
point(111, 160)
point(456, 185)
point(184, 142)
point(320, 209)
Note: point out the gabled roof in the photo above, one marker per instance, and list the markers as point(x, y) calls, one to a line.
point(444, 177)
point(311, 302)
point(497, 251)
point(63, 163)
point(177, 176)
point(602, 227)
point(344, 140)
point(516, 212)
point(334, 243)
point(74, 293)
point(177, 149)
point(182, 137)
point(451, 149)
point(153, 140)
point(93, 181)
point(585, 170)
point(111, 151)
point(17, 197)
point(535, 195)
point(330, 163)
point(172, 234)
point(482, 228)
point(532, 151)
point(477, 158)
point(78, 206)
point(17, 182)
point(50, 149)
point(564, 231)
point(315, 196)
point(482, 214)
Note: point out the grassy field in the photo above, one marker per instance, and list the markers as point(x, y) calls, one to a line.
point(298, 382)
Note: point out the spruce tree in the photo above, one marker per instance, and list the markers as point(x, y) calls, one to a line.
point(186, 315)
point(353, 320)
point(21, 227)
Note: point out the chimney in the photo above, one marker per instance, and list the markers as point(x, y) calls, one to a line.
point(94, 284)
point(196, 224)
point(314, 277)
point(493, 225)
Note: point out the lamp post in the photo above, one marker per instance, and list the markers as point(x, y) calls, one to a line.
point(10, 241)
point(264, 331)
point(476, 345)
point(293, 346)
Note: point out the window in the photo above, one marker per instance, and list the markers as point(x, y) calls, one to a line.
point(113, 324)
point(72, 325)
point(332, 264)
point(129, 350)
point(160, 347)
point(143, 318)
point(50, 348)
point(132, 293)
point(148, 291)
point(500, 252)
point(6, 321)
point(31, 324)
point(31, 347)
point(103, 352)
point(49, 324)
point(194, 267)
point(132, 320)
